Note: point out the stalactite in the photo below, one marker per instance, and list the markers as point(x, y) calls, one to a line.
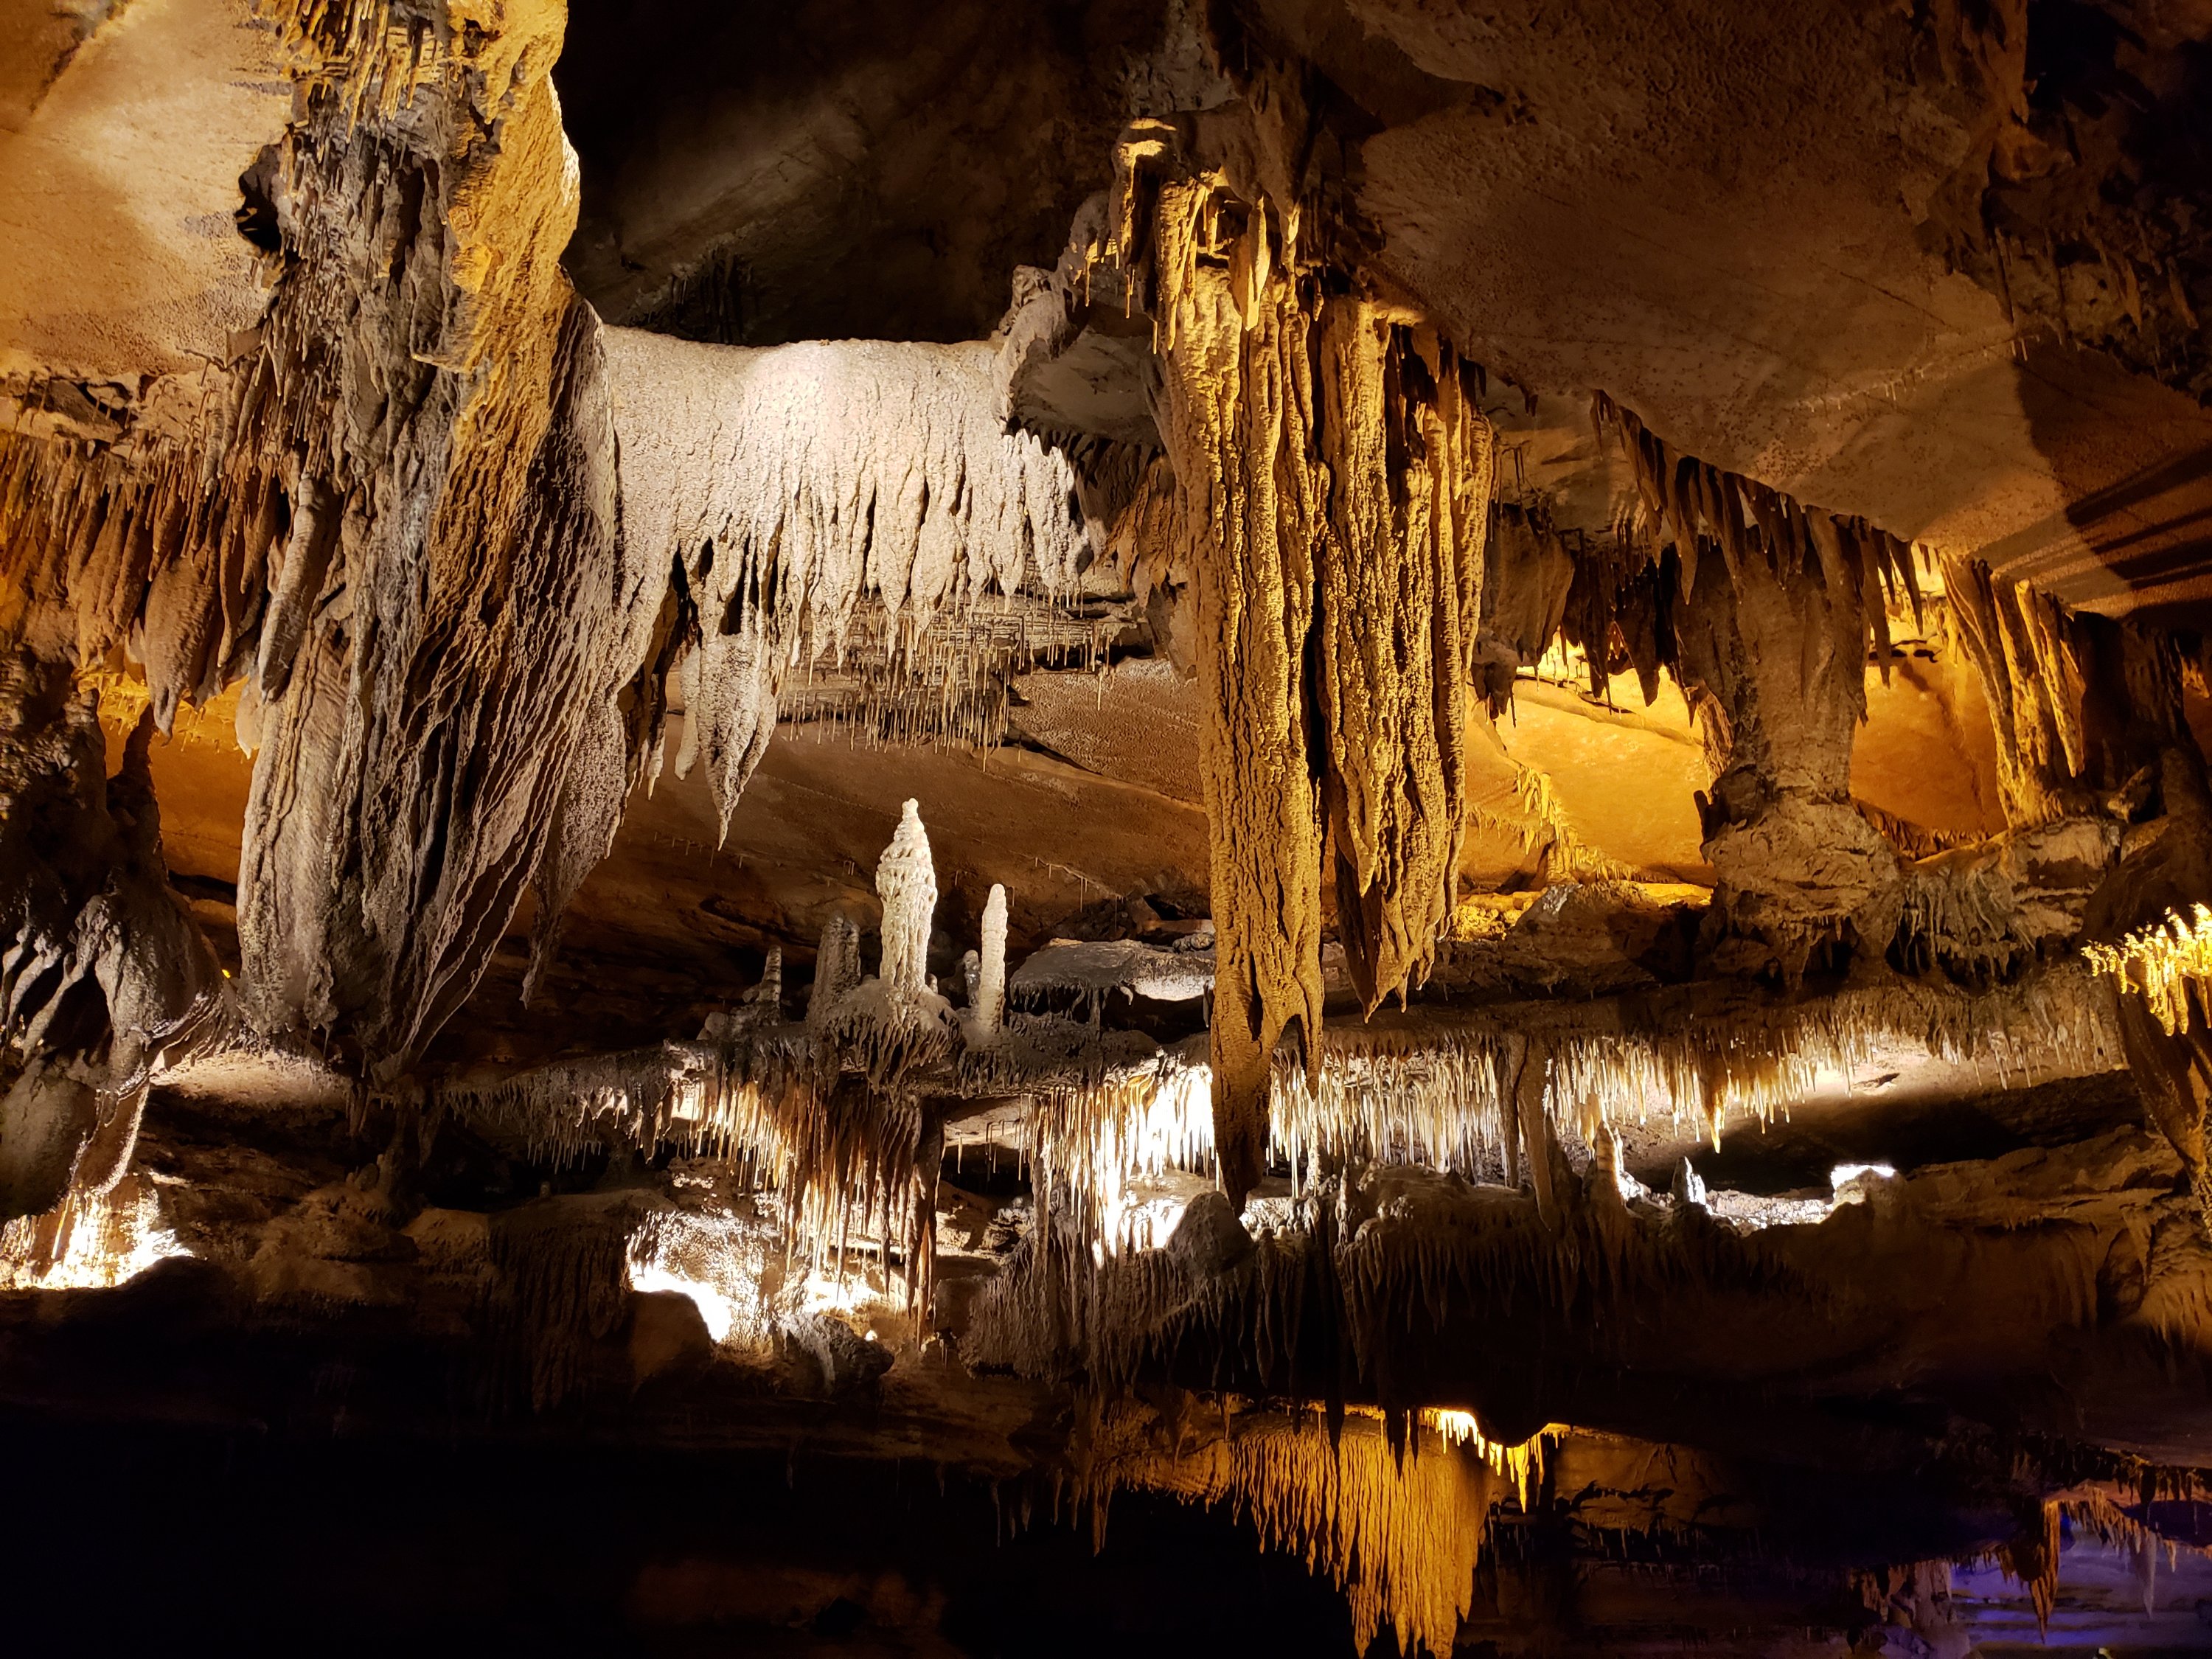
point(390, 837)
point(775, 1103)
point(1432, 1089)
point(2164, 977)
point(1520, 1462)
point(1131, 490)
point(796, 483)
point(2032, 1558)
point(1958, 913)
point(447, 649)
point(2092, 737)
point(1619, 610)
point(828, 1113)
point(1231, 328)
point(948, 681)
point(1699, 508)
point(1095, 1138)
point(1399, 579)
point(161, 549)
point(2169, 966)
point(1528, 576)
point(1380, 1288)
point(1541, 825)
point(2023, 647)
point(1915, 841)
point(2087, 710)
point(1399, 1535)
point(1334, 478)
point(1485, 1093)
point(1090, 973)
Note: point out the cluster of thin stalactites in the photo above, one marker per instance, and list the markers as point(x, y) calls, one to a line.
point(1398, 1527)
point(808, 1112)
point(2169, 965)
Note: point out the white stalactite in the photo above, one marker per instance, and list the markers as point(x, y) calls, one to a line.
point(793, 484)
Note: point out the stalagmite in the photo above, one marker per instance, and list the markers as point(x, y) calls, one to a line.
point(989, 1006)
point(836, 968)
point(906, 881)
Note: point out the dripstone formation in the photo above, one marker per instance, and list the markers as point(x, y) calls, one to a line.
point(1394, 811)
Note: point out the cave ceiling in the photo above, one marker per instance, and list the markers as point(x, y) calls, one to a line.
point(1392, 812)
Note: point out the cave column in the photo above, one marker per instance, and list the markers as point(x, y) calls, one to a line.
point(1774, 649)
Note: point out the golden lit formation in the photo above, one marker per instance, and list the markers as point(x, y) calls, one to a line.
point(789, 791)
point(2168, 964)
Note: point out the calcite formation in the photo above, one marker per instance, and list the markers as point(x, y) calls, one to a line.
point(1486, 850)
point(788, 487)
point(1335, 479)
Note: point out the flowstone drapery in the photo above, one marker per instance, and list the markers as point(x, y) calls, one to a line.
point(791, 486)
point(422, 586)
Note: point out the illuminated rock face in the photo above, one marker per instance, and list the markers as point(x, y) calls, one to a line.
point(1558, 703)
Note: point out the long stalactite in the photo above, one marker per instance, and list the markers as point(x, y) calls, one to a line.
point(1334, 478)
point(1232, 328)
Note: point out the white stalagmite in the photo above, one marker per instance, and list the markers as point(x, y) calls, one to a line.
point(792, 484)
point(906, 881)
point(991, 979)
